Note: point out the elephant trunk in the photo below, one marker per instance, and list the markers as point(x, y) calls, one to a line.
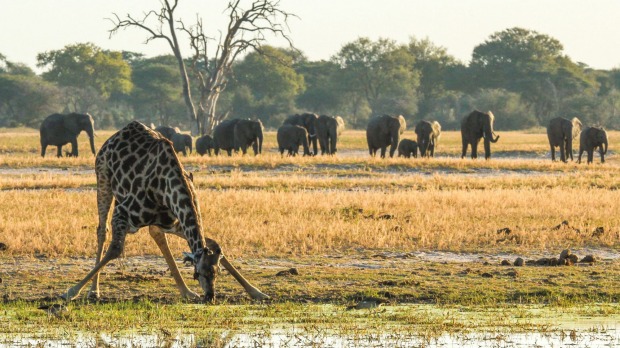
point(423, 145)
point(304, 142)
point(90, 130)
point(605, 143)
point(496, 138)
point(260, 142)
point(395, 141)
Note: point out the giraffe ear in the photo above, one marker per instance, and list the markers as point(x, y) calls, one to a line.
point(213, 246)
point(189, 257)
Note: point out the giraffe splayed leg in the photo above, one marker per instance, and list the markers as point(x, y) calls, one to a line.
point(138, 169)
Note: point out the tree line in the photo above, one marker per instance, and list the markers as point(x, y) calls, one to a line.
point(523, 76)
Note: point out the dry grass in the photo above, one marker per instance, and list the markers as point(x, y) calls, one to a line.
point(274, 206)
point(270, 223)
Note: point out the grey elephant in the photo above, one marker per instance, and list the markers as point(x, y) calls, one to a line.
point(290, 138)
point(168, 131)
point(590, 139)
point(180, 141)
point(475, 126)
point(328, 130)
point(383, 131)
point(561, 132)
point(204, 145)
point(238, 134)
point(309, 122)
point(61, 129)
point(408, 148)
point(428, 136)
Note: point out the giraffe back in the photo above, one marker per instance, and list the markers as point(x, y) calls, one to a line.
point(140, 168)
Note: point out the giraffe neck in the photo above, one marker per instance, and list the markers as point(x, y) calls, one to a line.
point(180, 196)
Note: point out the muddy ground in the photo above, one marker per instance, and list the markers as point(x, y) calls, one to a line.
point(416, 277)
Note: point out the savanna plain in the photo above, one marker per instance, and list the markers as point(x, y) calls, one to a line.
point(385, 252)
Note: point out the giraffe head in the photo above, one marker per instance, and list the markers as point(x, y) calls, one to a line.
point(207, 267)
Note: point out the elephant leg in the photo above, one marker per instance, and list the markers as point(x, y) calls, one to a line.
point(383, 151)
point(600, 150)
point(43, 149)
point(563, 152)
point(59, 151)
point(552, 152)
point(590, 155)
point(229, 151)
point(162, 242)
point(74, 148)
point(463, 153)
point(474, 150)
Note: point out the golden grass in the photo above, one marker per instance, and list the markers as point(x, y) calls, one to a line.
point(275, 206)
point(263, 223)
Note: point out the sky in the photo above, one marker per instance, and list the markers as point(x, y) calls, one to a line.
point(588, 30)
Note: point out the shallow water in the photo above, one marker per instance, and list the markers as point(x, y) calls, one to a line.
point(601, 334)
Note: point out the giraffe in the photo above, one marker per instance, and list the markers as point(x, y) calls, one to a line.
point(138, 169)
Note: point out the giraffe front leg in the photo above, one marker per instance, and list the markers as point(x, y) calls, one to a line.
point(162, 242)
point(93, 293)
point(253, 291)
point(119, 232)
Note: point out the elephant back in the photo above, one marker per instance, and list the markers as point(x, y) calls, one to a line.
point(223, 134)
point(167, 131)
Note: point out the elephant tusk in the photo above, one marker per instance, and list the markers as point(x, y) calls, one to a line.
point(312, 135)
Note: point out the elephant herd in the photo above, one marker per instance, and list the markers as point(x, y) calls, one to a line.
point(562, 131)
point(386, 130)
point(307, 129)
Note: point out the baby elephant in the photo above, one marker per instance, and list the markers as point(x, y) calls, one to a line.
point(590, 139)
point(290, 138)
point(408, 148)
point(204, 145)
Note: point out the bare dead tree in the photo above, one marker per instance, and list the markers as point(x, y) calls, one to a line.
point(247, 30)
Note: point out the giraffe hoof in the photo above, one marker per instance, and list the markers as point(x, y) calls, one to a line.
point(258, 295)
point(92, 295)
point(190, 295)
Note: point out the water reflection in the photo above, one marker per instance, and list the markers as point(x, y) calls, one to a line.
point(593, 337)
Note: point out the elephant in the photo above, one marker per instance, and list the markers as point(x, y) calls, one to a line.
point(328, 129)
point(180, 141)
point(383, 131)
point(428, 135)
point(238, 134)
point(61, 129)
point(475, 126)
point(204, 144)
point(168, 131)
point(408, 148)
point(591, 138)
point(309, 122)
point(561, 132)
point(290, 137)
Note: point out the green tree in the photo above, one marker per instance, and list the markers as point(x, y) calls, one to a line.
point(85, 65)
point(531, 64)
point(156, 97)
point(323, 93)
point(272, 82)
point(382, 73)
point(25, 99)
point(434, 64)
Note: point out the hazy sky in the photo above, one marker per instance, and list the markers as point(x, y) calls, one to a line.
point(589, 30)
